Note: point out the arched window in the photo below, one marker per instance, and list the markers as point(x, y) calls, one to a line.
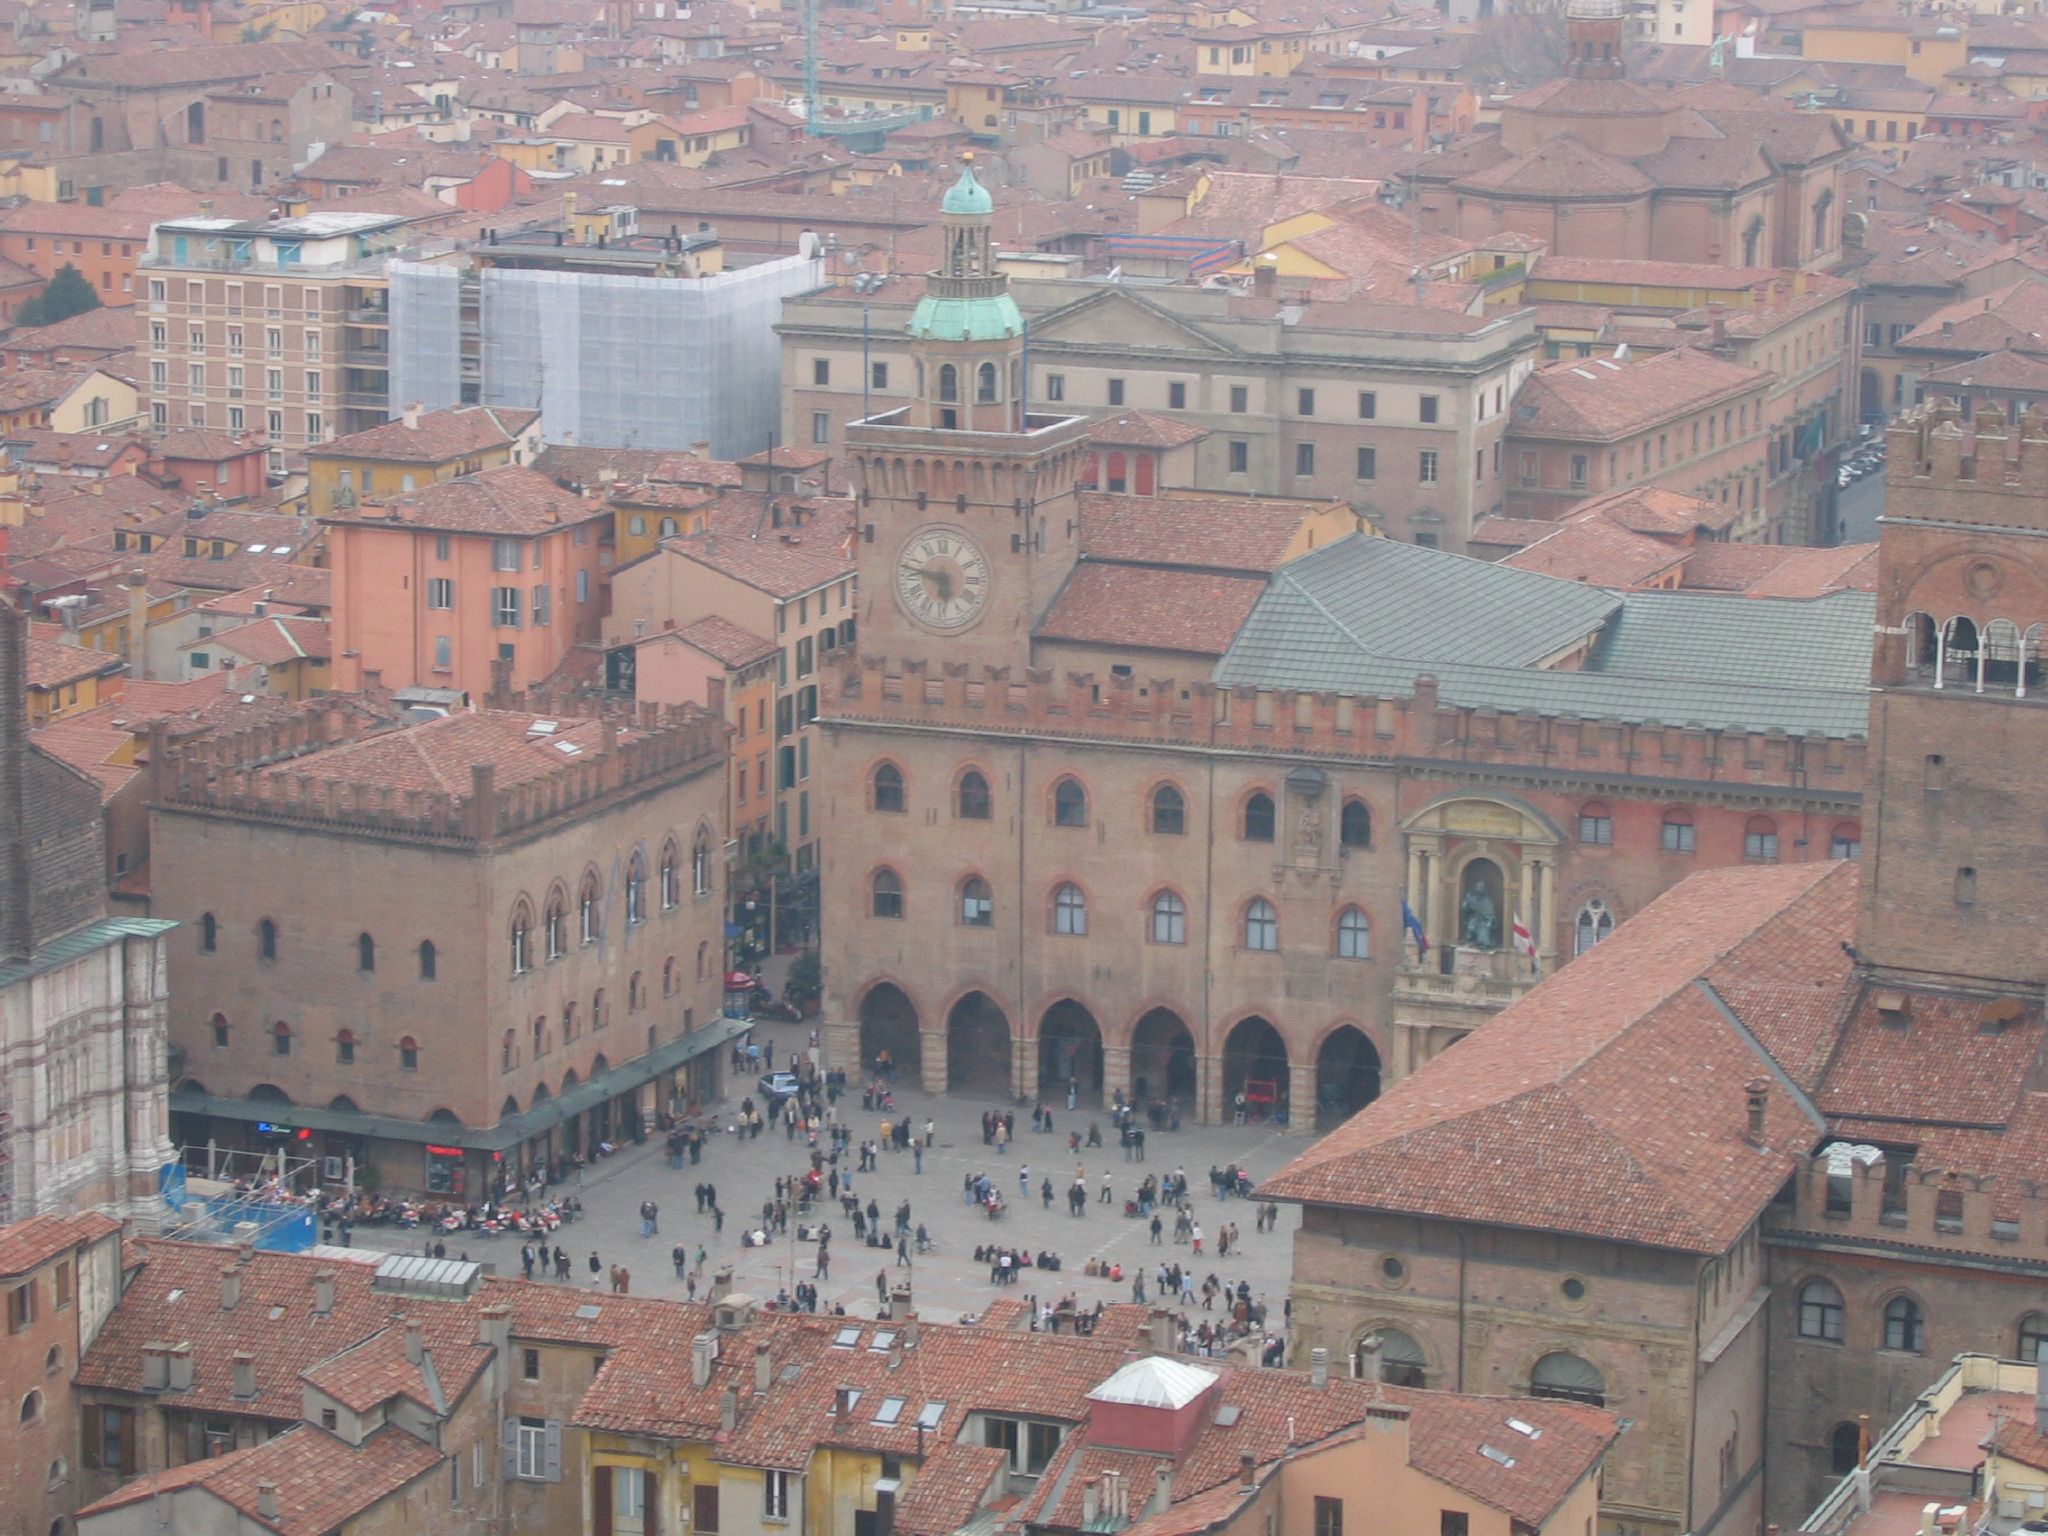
point(1401, 1362)
point(430, 958)
point(636, 890)
point(971, 802)
point(700, 865)
point(1354, 935)
point(366, 952)
point(508, 1055)
point(1563, 1374)
point(1678, 835)
point(32, 1407)
point(888, 788)
point(670, 528)
point(1820, 1312)
point(1956, 666)
point(522, 939)
point(2002, 643)
point(266, 940)
point(669, 980)
point(636, 994)
point(1354, 826)
point(1595, 924)
point(1760, 840)
point(1069, 910)
point(2034, 1338)
point(1905, 1326)
point(671, 884)
point(949, 382)
point(540, 1038)
point(985, 383)
point(977, 903)
point(1258, 818)
point(586, 910)
point(887, 893)
point(703, 959)
point(1261, 925)
point(53, 1362)
point(280, 1039)
point(554, 926)
point(209, 933)
point(1169, 811)
point(1845, 1447)
point(1845, 841)
point(1169, 919)
point(220, 1031)
point(600, 1012)
point(345, 1048)
point(1069, 804)
point(1596, 824)
point(409, 1054)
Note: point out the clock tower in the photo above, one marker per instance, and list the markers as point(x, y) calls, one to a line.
point(968, 518)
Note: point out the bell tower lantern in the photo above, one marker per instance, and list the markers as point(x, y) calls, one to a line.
point(1594, 33)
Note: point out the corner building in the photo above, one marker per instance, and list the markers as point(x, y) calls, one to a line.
point(1131, 791)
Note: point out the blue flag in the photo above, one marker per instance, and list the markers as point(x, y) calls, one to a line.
point(1414, 925)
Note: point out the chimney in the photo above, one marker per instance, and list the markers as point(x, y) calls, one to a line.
point(1091, 1503)
point(703, 1350)
point(1266, 275)
point(415, 1340)
point(1758, 1091)
point(266, 1501)
point(895, 1357)
point(764, 1371)
point(1162, 1492)
point(728, 1410)
point(885, 1510)
point(181, 1367)
point(1717, 322)
point(1165, 1331)
point(156, 1367)
point(1369, 1360)
point(842, 1404)
point(411, 416)
point(494, 1328)
point(323, 1293)
point(910, 1331)
point(245, 1375)
point(1930, 1520)
point(230, 1288)
point(1247, 1471)
point(17, 929)
point(1319, 1368)
point(138, 627)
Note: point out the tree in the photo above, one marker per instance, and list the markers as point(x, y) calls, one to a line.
point(806, 980)
point(67, 294)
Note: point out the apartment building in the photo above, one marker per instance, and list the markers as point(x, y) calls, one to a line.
point(1398, 410)
point(269, 325)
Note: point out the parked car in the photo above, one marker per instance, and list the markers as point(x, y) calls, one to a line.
point(778, 1085)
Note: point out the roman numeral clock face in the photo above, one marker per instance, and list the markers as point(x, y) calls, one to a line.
point(942, 578)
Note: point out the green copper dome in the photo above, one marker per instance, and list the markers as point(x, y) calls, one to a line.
point(944, 318)
point(967, 195)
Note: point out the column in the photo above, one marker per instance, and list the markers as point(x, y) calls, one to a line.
point(1546, 936)
point(1116, 1072)
point(1432, 913)
point(1024, 1066)
point(1209, 1085)
point(931, 1056)
point(1413, 893)
point(1526, 912)
point(1301, 1099)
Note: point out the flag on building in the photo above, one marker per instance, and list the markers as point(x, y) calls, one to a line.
point(1414, 925)
point(1523, 942)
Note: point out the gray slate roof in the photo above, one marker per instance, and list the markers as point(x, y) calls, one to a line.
point(1368, 616)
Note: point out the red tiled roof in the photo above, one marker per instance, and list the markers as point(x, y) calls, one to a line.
point(724, 641)
point(1609, 1101)
point(510, 500)
point(53, 662)
point(1223, 533)
point(1599, 400)
point(275, 640)
point(1145, 429)
point(1599, 552)
point(434, 437)
point(1151, 608)
point(26, 1244)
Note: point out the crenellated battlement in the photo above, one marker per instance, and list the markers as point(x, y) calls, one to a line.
point(281, 773)
point(1935, 451)
point(1959, 1210)
point(1198, 713)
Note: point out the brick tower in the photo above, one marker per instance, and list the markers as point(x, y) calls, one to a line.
point(1594, 32)
point(1954, 857)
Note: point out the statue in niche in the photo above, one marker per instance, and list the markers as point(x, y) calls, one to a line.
point(1478, 919)
point(1308, 832)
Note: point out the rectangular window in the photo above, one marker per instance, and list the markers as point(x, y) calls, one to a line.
point(1304, 402)
point(1304, 458)
point(878, 375)
point(1240, 456)
point(821, 427)
point(444, 652)
point(543, 604)
point(1429, 409)
point(1678, 836)
point(1762, 846)
point(316, 428)
point(1580, 468)
point(805, 654)
point(1425, 470)
point(1055, 386)
point(1116, 391)
point(1597, 830)
point(21, 1307)
point(1240, 399)
point(440, 592)
point(583, 586)
point(531, 1455)
point(1176, 396)
point(530, 1364)
point(775, 1495)
point(1368, 463)
point(505, 555)
point(312, 384)
point(1329, 1516)
point(1454, 1522)
point(821, 371)
point(505, 607)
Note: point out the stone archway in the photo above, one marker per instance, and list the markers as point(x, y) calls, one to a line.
point(1347, 1075)
point(1069, 1049)
point(888, 1022)
point(1163, 1060)
point(1255, 1065)
point(978, 1047)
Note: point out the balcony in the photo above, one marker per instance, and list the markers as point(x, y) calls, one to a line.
point(367, 357)
point(377, 317)
point(367, 399)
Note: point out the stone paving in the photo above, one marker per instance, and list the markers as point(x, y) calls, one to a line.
point(947, 1283)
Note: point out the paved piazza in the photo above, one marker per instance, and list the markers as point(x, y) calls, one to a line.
point(948, 1283)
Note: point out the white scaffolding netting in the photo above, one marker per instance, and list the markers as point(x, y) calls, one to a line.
point(426, 346)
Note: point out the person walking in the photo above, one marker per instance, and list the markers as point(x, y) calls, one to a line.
point(596, 1265)
point(882, 1287)
point(1106, 1197)
point(526, 1259)
point(903, 1250)
point(1157, 1227)
point(1023, 1181)
point(681, 1256)
point(930, 1132)
point(561, 1262)
point(1195, 1235)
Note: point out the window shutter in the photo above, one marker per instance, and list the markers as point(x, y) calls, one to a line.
point(601, 1501)
point(650, 1504)
point(508, 1448)
point(124, 1430)
point(553, 1470)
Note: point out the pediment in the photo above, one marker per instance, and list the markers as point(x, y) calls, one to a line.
point(1119, 318)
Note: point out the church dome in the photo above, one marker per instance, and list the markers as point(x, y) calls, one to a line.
point(967, 195)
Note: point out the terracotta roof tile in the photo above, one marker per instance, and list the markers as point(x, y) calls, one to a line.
point(1245, 534)
point(1596, 399)
point(725, 642)
point(1151, 608)
point(26, 1244)
point(510, 500)
point(434, 437)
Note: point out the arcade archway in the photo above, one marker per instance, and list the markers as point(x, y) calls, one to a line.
point(1347, 1075)
point(1069, 1052)
point(1255, 1071)
point(978, 1046)
point(888, 1022)
point(1163, 1059)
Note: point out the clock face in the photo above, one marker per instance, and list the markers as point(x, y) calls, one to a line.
point(942, 578)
